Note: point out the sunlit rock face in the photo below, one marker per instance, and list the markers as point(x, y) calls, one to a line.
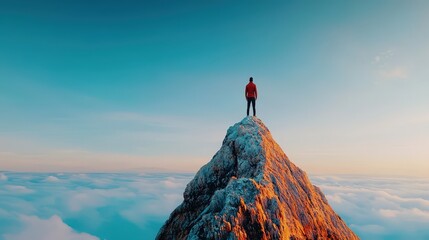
point(251, 190)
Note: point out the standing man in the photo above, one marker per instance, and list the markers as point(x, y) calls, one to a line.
point(251, 95)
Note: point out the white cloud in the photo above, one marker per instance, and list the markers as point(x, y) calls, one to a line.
point(334, 198)
point(3, 177)
point(19, 189)
point(371, 228)
point(90, 202)
point(388, 213)
point(171, 182)
point(389, 67)
point(377, 208)
point(394, 73)
point(159, 207)
point(163, 195)
point(94, 198)
point(377, 59)
point(383, 57)
point(78, 160)
point(151, 120)
point(52, 228)
point(52, 179)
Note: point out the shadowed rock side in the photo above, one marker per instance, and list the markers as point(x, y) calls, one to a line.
point(251, 190)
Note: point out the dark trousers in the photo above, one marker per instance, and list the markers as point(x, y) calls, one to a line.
point(251, 100)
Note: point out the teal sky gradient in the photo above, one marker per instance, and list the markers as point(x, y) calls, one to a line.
point(134, 85)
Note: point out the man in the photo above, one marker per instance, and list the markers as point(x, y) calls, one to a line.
point(251, 95)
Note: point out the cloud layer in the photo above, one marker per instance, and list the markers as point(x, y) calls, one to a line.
point(86, 206)
point(380, 208)
point(51, 228)
point(134, 206)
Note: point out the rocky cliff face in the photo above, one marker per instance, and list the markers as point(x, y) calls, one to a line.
point(251, 190)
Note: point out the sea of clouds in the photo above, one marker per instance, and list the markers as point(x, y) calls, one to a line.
point(134, 206)
point(380, 208)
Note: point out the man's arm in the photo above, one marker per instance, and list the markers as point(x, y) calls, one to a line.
point(245, 92)
point(256, 92)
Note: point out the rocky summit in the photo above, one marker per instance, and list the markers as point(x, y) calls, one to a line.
point(251, 190)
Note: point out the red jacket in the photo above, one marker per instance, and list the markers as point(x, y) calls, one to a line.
point(251, 90)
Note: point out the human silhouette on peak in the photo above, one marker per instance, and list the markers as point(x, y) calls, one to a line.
point(251, 94)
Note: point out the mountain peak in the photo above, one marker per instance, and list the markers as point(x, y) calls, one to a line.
point(251, 190)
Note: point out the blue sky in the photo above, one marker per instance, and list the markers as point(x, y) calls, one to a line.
point(134, 85)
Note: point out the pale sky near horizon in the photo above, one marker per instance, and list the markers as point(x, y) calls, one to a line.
point(99, 86)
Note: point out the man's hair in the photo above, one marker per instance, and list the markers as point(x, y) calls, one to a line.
point(251, 79)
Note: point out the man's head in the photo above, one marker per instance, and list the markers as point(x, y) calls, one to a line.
point(251, 79)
